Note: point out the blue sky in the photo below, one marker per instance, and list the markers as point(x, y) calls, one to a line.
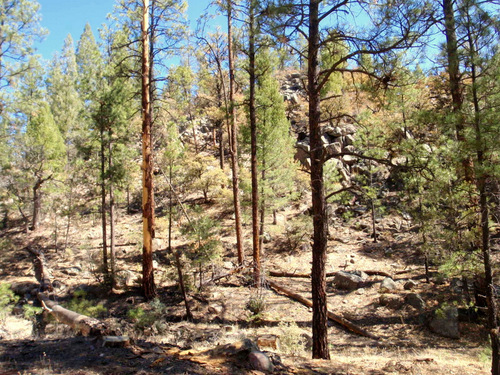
point(63, 17)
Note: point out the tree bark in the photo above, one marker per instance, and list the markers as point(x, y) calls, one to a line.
point(454, 77)
point(148, 284)
point(112, 218)
point(234, 139)
point(481, 179)
point(103, 203)
point(318, 279)
point(253, 153)
point(37, 204)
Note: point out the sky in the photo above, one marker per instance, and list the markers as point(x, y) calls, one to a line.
point(63, 17)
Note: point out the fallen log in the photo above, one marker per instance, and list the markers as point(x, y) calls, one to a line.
point(329, 274)
point(290, 274)
point(83, 324)
point(86, 325)
point(334, 317)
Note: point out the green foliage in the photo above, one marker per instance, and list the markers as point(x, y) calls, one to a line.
point(7, 301)
point(150, 320)
point(298, 231)
point(202, 173)
point(256, 305)
point(203, 231)
point(46, 151)
point(21, 27)
point(30, 311)
point(461, 263)
point(292, 340)
point(83, 306)
point(275, 143)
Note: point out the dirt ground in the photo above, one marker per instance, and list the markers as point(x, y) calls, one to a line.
point(405, 344)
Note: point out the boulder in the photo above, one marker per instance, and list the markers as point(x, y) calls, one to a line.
point(445, 322)
point(388, 285)
point(392, 301)
point(333, 131)
point(260, 362)
point(266, 237)
point(410, 284)
point(349, 280)
point(349, 140)
point(348, 129)
point(415, 300)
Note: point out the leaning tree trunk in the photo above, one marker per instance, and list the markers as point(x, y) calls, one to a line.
point(234, 140)
point(148, 284)
point(318, 277)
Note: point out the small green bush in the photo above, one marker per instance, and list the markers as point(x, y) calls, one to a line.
point(149, 321)
point(257, 306)
point(7, 301)
point(31, 311)
point(83, 306)
point(292, 341)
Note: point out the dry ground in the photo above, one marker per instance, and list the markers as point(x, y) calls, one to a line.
point(406, 346)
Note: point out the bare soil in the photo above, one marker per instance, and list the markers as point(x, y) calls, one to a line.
point(406, 345)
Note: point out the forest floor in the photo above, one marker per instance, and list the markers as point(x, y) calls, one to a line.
point(221, 316)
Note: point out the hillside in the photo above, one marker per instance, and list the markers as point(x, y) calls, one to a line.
point(221, 315)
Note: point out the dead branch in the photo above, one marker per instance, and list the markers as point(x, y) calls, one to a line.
point(228, 274)
point(334, 317)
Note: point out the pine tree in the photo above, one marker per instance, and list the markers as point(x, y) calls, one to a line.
point(45, 154)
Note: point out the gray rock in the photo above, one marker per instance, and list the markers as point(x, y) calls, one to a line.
point(325, 140)
point(333, 131)
point(349, 159)
point(445, 322)
point(410, 284)
point(388, 285)
point(334, 148)
point(348, 129)
point(266, 237)
point(415, 300)
point(72, 271)
point(294, 99)
point(392, 301)
point(349, 139)
point(348, 280)
point(260, 362)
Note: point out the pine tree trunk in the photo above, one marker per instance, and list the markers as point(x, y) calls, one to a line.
point(37, 204)
point(253, 153)
point(484, 208)
point(112, 219)
point(318, 277)
point(234, 140)
point(454, 77)
point(103, 205)
point(148, 285)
